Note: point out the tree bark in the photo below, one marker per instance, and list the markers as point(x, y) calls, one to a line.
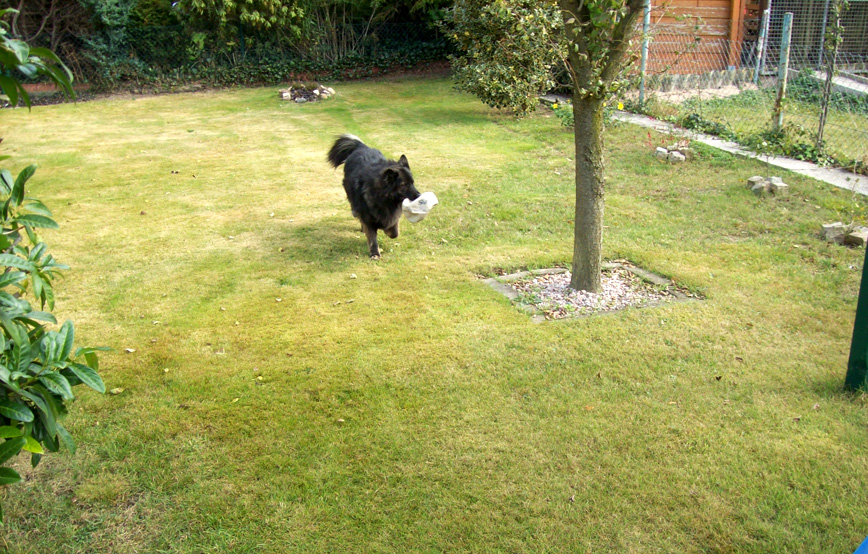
point(590, 188)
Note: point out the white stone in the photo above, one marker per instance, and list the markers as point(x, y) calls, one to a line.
point(661, 153)
point(676, 157)
point(779, 189)
point(760, 189)
point(755, 180)
point(834, 232)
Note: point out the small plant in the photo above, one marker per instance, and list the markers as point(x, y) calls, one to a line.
point(564, 112)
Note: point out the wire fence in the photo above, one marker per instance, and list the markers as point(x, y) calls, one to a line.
point(732, 88)
point(164, 56)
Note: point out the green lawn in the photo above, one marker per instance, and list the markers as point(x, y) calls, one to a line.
point(273, 403)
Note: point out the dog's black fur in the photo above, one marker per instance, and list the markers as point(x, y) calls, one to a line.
point(376, 187)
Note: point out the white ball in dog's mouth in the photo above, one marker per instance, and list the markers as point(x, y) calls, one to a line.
point(416, 210)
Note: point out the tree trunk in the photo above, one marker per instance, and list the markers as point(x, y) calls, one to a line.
point(588, 228)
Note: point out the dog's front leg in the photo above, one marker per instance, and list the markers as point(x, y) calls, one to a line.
point(373, 247)
point(392, 232)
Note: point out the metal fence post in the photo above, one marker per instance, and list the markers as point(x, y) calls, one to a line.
point(857, 367)
point(646, 24)
point(761, 46)
point(783, 69)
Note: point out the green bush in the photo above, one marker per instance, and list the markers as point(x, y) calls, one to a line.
point(38, 366)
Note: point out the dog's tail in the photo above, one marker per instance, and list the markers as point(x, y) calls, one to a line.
point(342, 148)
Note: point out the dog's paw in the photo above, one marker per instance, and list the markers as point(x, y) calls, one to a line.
point(375, 257)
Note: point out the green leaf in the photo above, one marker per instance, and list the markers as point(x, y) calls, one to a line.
point(10, 89)
point(21, 352)
point(11, 260)
point(35, 206)
point(88, 376)
point(18, 189)
point(34, 459)
point(57, 384)
point(48, 419)
point(11, 278)
point(15, 410)
point(66, 438)
point(45, 53)
point(9, 476)
point(33, 446)
point(9, 432)
point(67, 335)
point(11, 447)
point(41, 316)
point(6, 181)
point(35, 220)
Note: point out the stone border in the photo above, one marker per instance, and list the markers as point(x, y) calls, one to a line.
point(501, 285)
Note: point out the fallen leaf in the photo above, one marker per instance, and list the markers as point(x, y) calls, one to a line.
point(129, 350)
point(718, 377)
point(235, 400)
point(816, 406)
point(797, 419)
point(116, 391)
point(739, 359)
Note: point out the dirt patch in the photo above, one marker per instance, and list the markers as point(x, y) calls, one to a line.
point(546, 293)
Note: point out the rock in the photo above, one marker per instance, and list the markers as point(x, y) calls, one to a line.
point(857, 237)
point(776, 180)
point(760, 189)
point(834, 232)
point(755, 180)
point(300, 100)
point(661, 153)
point(676, 157)
point(688, 153)
point(778, 189)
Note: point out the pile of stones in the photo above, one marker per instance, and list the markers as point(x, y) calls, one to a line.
point(847, 235)
point(674, 154)
point(764, 186)
point(306, 92)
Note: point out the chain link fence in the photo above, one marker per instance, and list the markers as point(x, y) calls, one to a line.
point(733, 88)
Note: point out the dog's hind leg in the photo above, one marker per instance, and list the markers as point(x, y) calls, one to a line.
point(373, 247)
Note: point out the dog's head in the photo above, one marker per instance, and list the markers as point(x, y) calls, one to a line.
point(397, 181)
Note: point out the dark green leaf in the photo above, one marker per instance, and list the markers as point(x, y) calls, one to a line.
point(8, 476)
point(67, 335)
point(34, 459)
point(35, 220)
point(10, 89)
point(66, 438)
point(48, 419)
point(11, 447)
point(10, 278)
point(15, 410)
point(6, 181)
point(35, 206)
point(11, 260)
point(88, 376)
point(57, 384)
point(20, 181)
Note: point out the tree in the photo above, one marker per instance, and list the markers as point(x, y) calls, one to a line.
point(511, 47)
point(229, 16)
point(598, 36)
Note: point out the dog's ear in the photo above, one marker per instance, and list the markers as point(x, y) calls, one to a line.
point(390, 178)
point(403, 161)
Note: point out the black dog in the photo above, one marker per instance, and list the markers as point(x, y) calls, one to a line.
point(376, 187)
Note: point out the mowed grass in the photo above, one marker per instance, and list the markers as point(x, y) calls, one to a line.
point(283, 393)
